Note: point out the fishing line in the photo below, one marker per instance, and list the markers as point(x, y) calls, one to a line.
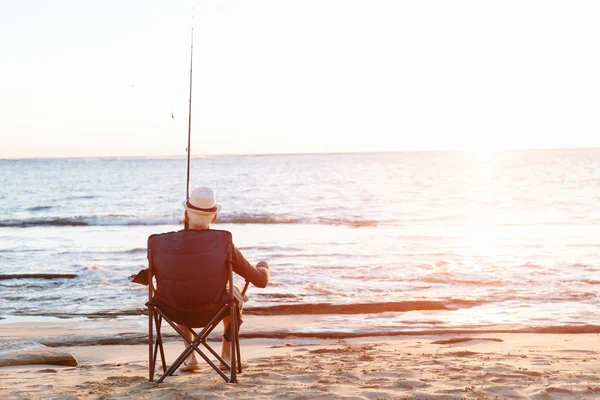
point(188, 149)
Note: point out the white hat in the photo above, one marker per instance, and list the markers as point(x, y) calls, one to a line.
point(202, 202)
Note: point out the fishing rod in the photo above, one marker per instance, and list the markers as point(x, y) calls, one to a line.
point(188, 149)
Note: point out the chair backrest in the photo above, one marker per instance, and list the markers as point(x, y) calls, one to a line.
point(191, 267)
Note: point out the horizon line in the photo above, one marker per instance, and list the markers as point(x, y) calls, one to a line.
point(208, 155)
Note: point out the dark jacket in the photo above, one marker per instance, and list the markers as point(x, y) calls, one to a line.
point(258, 276)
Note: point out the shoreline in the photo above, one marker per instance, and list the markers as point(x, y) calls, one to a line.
point(298, 309)
point(132, 329)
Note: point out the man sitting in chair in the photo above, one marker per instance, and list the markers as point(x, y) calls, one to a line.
point(201, 210)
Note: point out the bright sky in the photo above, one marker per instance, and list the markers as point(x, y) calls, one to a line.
point(81, 78)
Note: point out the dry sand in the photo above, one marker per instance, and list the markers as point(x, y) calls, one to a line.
point(466, 366)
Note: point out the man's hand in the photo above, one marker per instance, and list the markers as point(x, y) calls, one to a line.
point(262, 264)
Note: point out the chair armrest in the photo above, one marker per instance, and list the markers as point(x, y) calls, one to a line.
point(141, 277)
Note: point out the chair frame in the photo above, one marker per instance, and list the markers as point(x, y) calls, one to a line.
point(155, 342)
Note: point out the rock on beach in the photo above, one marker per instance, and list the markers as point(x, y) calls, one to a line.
point(26, 353)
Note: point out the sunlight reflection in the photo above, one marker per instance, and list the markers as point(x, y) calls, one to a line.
point(484, 159)
point(482, 201)
point(480, 239)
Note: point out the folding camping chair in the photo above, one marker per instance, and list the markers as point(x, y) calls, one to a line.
point(194, 287)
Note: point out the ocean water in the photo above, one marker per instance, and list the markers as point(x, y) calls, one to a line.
point(500, 239)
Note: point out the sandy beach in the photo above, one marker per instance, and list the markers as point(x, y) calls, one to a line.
point(417, 184)
point(112, 364)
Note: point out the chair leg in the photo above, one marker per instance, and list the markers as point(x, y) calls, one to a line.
point(150, 344)
point(213, 352)
point(192, 346)
point(233, 322)
point(207, 331)
point(237, 342)
point(156, 316)
point(239, 355)
point(159, 342)
point(155, 352)
point(178, 361)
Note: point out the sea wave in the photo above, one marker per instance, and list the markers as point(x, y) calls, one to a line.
point(247, 218)
point(42, 222)
point(137, 250)
point(125, 220)
point(39, 208)
point(81, 197)
point(37, 276)
point(88, 221)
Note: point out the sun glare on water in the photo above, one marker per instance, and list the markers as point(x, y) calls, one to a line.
point(480, 233)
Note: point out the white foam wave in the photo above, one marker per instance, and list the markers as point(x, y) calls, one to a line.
point(126, 220)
